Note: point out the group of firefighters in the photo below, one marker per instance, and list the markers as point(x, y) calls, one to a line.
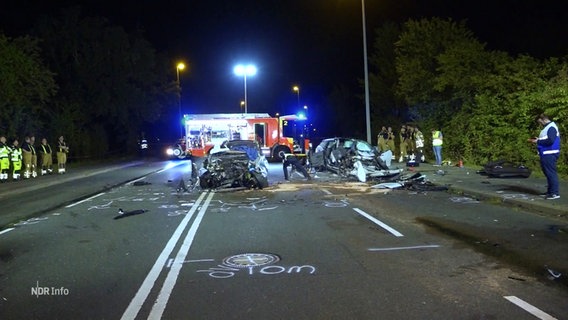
point(15, 158)
point(411, 143)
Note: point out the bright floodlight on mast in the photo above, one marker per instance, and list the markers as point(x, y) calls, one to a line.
point(244, 71)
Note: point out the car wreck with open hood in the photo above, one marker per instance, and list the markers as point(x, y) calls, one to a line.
point(349, 157)
point(234, 164)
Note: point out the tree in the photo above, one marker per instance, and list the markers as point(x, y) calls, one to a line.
point(26, 85)
point(111, 82)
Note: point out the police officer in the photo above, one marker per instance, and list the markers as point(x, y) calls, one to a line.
point(16, 159)
point(46, 157)
point(291, 159)
point(4, 159)
point(548, 145)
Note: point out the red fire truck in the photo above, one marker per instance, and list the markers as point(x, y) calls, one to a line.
point(205, 131)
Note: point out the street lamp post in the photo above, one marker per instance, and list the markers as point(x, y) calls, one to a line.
point(367, 103)
point(180, 66)
point(244, 71)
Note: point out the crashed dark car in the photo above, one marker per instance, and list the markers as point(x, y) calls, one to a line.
point(235, 164)
point(352, 157)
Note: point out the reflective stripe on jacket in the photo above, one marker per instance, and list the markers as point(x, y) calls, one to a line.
point(555, 146)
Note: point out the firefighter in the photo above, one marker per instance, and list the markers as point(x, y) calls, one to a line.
point(33, 157)
point(382, 138)
point(4, 159)
point(46, 157)
point(411, 142)
point(390, 139)
point(62, 151)
point(16, 159)
point(403, 144)
point(292, 159)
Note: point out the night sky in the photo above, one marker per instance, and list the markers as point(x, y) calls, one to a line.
point(316, 44)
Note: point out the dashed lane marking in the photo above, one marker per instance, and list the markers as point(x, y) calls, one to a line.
point(379, 223)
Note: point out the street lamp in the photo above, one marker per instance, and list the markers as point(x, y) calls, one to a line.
point(180, 66)
point(242, 106)
point(244, 71)
point(297, 90)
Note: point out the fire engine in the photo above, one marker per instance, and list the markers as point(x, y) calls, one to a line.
point(205, 131)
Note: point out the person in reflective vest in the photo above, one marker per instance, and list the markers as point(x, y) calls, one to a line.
point(419, 142)
point(403, 144)
point(437, 141)
point(46, 157)
point(4, 159)
point(548, 145)
point(16, 159)
point(62, 151)
point(143, 146)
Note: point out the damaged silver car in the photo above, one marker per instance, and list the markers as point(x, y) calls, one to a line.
point(235, 164)
point(353, 157)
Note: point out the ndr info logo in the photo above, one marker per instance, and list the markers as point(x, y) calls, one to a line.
point(49, 291)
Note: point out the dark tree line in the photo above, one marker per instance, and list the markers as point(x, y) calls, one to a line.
point(83, 78)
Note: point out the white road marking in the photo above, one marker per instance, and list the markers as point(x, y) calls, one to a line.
point(529, 308)
point(326, 191)
point(200, 260)
point(404, 248)
point(7, 230)
point(170, 282)
point(379, 223)
point(84, 200)
point(136, 304)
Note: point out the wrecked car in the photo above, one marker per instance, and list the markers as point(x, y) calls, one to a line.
point(234, 164)
point(353, 157)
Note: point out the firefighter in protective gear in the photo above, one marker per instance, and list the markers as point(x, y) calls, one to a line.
point(28, 153)
point(390, 139)
point(46, 157)
point(382, 138)
point(403, 135)
point(62, 151)
point(16, 159)
point(4, 159)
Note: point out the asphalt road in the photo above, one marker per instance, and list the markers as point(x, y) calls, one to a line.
point(327, 249)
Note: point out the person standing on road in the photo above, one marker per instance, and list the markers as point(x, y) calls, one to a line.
point(437, 141)
point(382, 138)
point(62, 151)
point(16, 159)
point(46, 157)
point(548, 145)
point(390, 140)
point(34, 156)
point(403, 144)
point(4, 159)
point(419, 142)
